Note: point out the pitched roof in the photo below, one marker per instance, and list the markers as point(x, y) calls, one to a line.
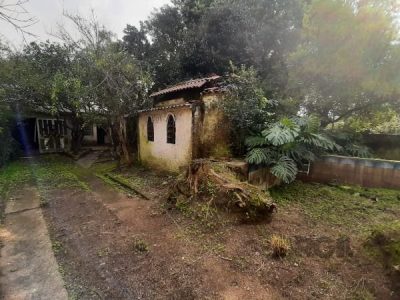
point(187, 85)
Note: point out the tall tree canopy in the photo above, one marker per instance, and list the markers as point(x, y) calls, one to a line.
point(348, 59)
point(191, 38)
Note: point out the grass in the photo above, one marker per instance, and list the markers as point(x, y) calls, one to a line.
point(139, 246)
point(280, 246)
point(351, 208)
point(46, 172)
point(57, 246)
point(13, 175)
point(383, 244)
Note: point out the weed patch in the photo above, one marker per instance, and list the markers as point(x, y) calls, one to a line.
point(280, 246)
point(57, 246)
point(139, 246)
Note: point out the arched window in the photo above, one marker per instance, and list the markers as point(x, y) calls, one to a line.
point(150, 130)
point(171, 130)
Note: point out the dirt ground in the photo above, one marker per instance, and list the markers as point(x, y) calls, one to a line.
point(113, 244)
point(184, 258)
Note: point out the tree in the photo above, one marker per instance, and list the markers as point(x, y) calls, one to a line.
point(52, 78)
point(110, 82)
point(71, 96)
point(348, 59)
point(246, 106)
point(383, 121)
point(15, 14)
point(122, 92)
point(192, 38)
point(135, 42)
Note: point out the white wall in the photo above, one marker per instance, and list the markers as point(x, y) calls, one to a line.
point(91, 138)
point(159, 153)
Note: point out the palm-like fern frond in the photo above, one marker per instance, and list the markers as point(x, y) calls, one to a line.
point(285, 168)
point(260, 156)
point(310, 124)
point(256, 141)
point(280, 134)
point(319, 141)
point(357, 150)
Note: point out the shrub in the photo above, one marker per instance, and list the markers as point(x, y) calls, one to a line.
point(287, 144)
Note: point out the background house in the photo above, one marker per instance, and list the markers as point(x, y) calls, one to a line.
point(184, 124)
point(39, 132)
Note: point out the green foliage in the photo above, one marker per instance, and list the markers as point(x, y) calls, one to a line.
point(284, 168)
point(245, 105)
point(190, 38)
point(350, 143)
point(283, 132)
point(382, 121)
point(384, 244)
point(285, 145)
point(346, 61)
point(8, 146)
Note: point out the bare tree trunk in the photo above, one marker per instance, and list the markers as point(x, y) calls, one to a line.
point(77, 135)
point(123, 142)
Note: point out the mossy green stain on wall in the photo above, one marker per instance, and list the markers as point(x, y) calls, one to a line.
point(215, 135)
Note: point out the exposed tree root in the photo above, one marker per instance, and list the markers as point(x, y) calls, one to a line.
point(216, 184)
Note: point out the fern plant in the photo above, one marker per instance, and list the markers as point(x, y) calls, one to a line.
point(286, 144)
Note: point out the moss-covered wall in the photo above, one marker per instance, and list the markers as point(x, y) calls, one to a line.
point(215, 128)
point(160, 154)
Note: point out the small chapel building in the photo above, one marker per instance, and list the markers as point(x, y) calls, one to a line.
point(185, 123)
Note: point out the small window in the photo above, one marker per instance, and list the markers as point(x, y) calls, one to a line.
point(171, 130)
point(150, 130)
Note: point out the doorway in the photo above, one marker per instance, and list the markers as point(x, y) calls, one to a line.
point(101, 136)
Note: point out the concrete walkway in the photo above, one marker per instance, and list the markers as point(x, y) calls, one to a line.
point(89, 159)
point(28, 267)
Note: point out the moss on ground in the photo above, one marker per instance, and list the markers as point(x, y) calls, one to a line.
point(384, 244)
point(46, 172)
point(12, 176)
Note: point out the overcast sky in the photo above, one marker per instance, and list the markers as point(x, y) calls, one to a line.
point(114, 14)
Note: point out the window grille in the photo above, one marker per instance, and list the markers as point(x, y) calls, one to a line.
point(171, 130)
point(150, 130)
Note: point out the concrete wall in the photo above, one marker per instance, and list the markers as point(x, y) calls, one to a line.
point(355, 171)
point(91, 139)
point(261, 177)
point(159, 153)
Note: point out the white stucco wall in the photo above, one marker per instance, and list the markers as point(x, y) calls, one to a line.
point(91, 138)
point(159, 153)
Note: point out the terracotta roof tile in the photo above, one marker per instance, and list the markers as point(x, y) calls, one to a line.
point(187, 85)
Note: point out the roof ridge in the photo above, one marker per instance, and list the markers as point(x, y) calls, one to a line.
point(188, 84)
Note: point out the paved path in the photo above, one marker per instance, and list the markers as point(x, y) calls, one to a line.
point(28, 267)
point(89, 159)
